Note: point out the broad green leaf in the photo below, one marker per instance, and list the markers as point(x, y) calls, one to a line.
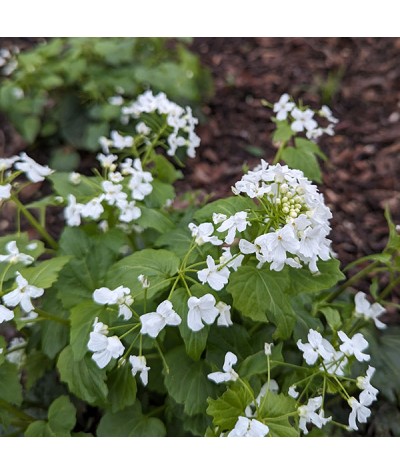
point(260, 295)
point(179, 241)
point(309, 147)
point(39, 429)
point(197, 425)
point(46, 273)
point(303, 160)
point(154, 219)
point(36, 365)
point(195, 342)
point(84, 378)
point(29, 127)
point(10, 386)
point(165, 171)
point(162, 192)
point(302, 280)
point(274, 412)
point(54, 335)
point(121, 388)
point(62, 416)
point(157, 265)
point(187, 381)
point(227, 408)
point(87, 188)
point(82, 318)
point(258, 363)
point(130, 422)
point(332, 316)
point(227, 206)
point(283, 131)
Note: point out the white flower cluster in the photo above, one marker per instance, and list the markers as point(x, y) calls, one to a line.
point(22, 162)
point(296, 219)
point(302, 119)
point(334, 362)
point(122, 189)
point(180, 119)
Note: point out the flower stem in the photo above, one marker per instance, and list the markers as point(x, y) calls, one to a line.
point(49, 316)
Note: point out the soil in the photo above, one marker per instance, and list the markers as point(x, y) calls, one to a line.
point(359, 78)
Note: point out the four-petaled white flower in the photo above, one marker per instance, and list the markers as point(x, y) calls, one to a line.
point(327, 113)
point(72, 212)
point(93, 208)
point(113, 194)
point(308, 413)
point(119, 141)
point(364, 383)
point(316, 346)
point(14, 256)
point(237, 222)
point(293, 392)
point(203, 234)
point(104, 347)
point(139, 366)
point(107, 161)
point(303, 120)
point(354, 346)
point(201, 310)
point(359, 411)
point(214, 275)
point(283, 106)
point(141, 128)
point(129, 212)
point(119, 296)
point(23, 294)
point(277, 243)
point(232, 262)
point(228, 374)
point(32, 170)
point(248, 428)
point(224, 319)
point(368, 311)
point(5, 314)
point(5, 191)
point(154, 322)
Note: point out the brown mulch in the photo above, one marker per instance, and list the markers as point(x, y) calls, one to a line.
point(359, 78)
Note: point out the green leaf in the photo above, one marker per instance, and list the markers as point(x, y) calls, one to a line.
point(195, 342)
point(303, 160)
point(10, 386)
point(46, 273)
point(29, 128)
point(154, 219)
point(258, 363)
point(165, 171)
point(130, 422)
point(87, 188)
point(227, 206)
point(283, 132)
point(162, 192)
point(227, 408)
point(302, 280)
point(84, 378)
point(187, 381)
point(121, 388)
point(275, 412)
point(36, 365)
point(62, 416)
point(156, 265)
point(178, 241)
point(260, 295)
point(82, 318)
point(332, 316)
point(39, 429)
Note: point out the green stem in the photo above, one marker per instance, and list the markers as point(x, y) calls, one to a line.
point(166, 367)
point(386, 291)
point(49, 316)
point(129, 331)
point(4, 275)
point(39, 228)
point(268, 381)
point(279, 153)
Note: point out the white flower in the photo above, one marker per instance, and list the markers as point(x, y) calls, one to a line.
point(5, 314)
point(33, 170)
point(354, 346)
point(368, 311)
point(6, 163)
point(154, 322)
point(203, 234)
point(292, 392)
point(141, 128)
point(105, 144)
point(308, 413)
point(237, 222)
point(113, 194)
point(268, 348)
point(224, 319)
point(119, 296)
point(116, 100)
point(228, 373)
point(364, 383)
point(103, 347)
point(248, 428)
point(144, 281)
point(75, 178)
point(283, 106)
point(129, 212)
point(215, 276)
point(201, 310)
point(359, 411)
point(16, 356)
point(140, 180)
point(316, 346)
point(115, 177)
point(120, 142)
point(219, 218)
point(277, 243)
point(272, 386)
point(327, 113)
point(107, 161)
point(14, 256)
point(93, 208)
point(230, 261)
point(303, 120)
point(139, 366)
point(5, 191)
point(72, 212)
point(23, 294)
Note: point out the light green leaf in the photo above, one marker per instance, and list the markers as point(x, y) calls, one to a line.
point(10, 386)
point(154, 219)
point(187, 381)
point(87, 188)
point(165, 171)
point(130, 423)
point(258, 363)
point(84, 378)
point(227, 206)
point(62, 416)
point(121, 388)
point(36, 365)
point(332, 316)
point(162, 192)
point(82, 318)
point(227, 408)
point(157, 265)
point(46, 273)
point(283, 132)
point(303, 160)
point(274, 412)
point(39, 429)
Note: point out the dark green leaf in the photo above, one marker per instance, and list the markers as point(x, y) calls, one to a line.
point(62, 416)
point(10, 386)
point(121, 388)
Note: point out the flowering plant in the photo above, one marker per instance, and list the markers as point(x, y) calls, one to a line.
point(151, 319)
